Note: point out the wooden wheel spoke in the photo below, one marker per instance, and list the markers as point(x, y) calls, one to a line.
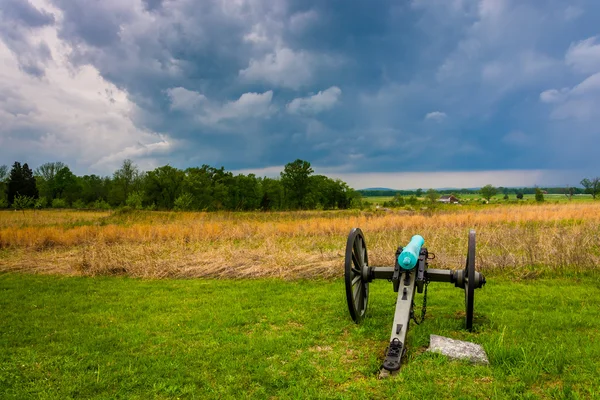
point(355, 261)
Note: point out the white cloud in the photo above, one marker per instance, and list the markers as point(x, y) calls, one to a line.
point(73, 115)
point(553, 95)
point(284, 67)
point(580, 102)
point(301, 21)
point(183, 99)
point(249, 105)
point(584, 56)
point(435, 116)
point(324, 100)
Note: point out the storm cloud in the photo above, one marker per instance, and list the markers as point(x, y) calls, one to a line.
point(354, 87)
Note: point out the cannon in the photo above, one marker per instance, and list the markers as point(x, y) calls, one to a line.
point(410, 274)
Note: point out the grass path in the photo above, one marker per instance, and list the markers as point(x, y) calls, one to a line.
point(112, 337)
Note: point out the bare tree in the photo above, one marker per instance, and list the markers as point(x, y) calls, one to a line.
point(592, 186)
point(49, 170)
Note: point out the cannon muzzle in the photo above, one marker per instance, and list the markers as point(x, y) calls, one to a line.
point(410, 254)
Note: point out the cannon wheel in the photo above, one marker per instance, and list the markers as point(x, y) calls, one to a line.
point(355, 271)
point(470, 284)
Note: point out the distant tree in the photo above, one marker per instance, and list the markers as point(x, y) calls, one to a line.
point(125, 180)
point(488, 191)
point(66, 186)
point(3, 173)
point(245, 193)
point(412, 200)
point(3, 178)
point(272, 194)
point(506, 196)
point(569, 191)
point(520, 195)
point(539, 195)
point(295, 180)
point(21, 182)
point(419, 192)
point(592, 186)
point(93, 188)
point(163, 185)
point(45, 175)
point(432, 195)
point(398, 200)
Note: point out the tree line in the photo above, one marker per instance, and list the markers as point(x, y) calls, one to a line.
point(206, 188)
point(588, 186)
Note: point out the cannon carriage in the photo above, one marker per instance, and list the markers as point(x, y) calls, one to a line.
point(410, 274)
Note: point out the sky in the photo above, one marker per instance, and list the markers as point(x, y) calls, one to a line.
point(399, 94)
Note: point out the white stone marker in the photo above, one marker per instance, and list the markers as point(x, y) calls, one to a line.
point(457, 349)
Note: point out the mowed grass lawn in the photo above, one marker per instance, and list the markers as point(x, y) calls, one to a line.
point(115, 337)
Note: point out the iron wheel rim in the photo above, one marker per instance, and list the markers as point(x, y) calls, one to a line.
point(357, 288)
point(470, 284)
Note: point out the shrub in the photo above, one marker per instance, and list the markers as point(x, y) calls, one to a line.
point(40, 203)
point(539, 195)
point(134, 200)
point(59, 203)
point(23, 202)
point(79, 204)
point(101, 205)
point(184, 202)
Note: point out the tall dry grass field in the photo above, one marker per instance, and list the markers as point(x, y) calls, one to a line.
point(527, 239)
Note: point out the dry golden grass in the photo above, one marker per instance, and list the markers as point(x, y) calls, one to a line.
point(303, 244)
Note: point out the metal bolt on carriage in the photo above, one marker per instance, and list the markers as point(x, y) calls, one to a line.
point(410, 273)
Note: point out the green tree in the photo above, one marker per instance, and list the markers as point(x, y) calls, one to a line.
point(569, 191)
point(272, 194)
point(125, 180)
point(592, 186)
point(93, 188)
point(21, 182)
point(245, 192)
point(539, 195)
point(198, 183)
point(519, 195)
point(22, 202)
point(45, 175)
point(163, 185)
point(3, 179)
point(296, 182)
point(66, 186)
point(488, 191)
point(398, 200)
point(432, 195)
point(419, 192)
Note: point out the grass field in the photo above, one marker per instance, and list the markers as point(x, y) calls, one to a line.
point(498, 198)
point(111, 337)
point(77, 322)
point(520, 239)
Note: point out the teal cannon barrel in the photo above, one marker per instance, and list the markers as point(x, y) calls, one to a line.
point(410, 254)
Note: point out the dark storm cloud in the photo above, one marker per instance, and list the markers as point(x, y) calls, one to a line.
point(420, 85)
point(18, 19)
point(23, 12)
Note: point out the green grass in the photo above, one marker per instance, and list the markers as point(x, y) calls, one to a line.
point(68, 337)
